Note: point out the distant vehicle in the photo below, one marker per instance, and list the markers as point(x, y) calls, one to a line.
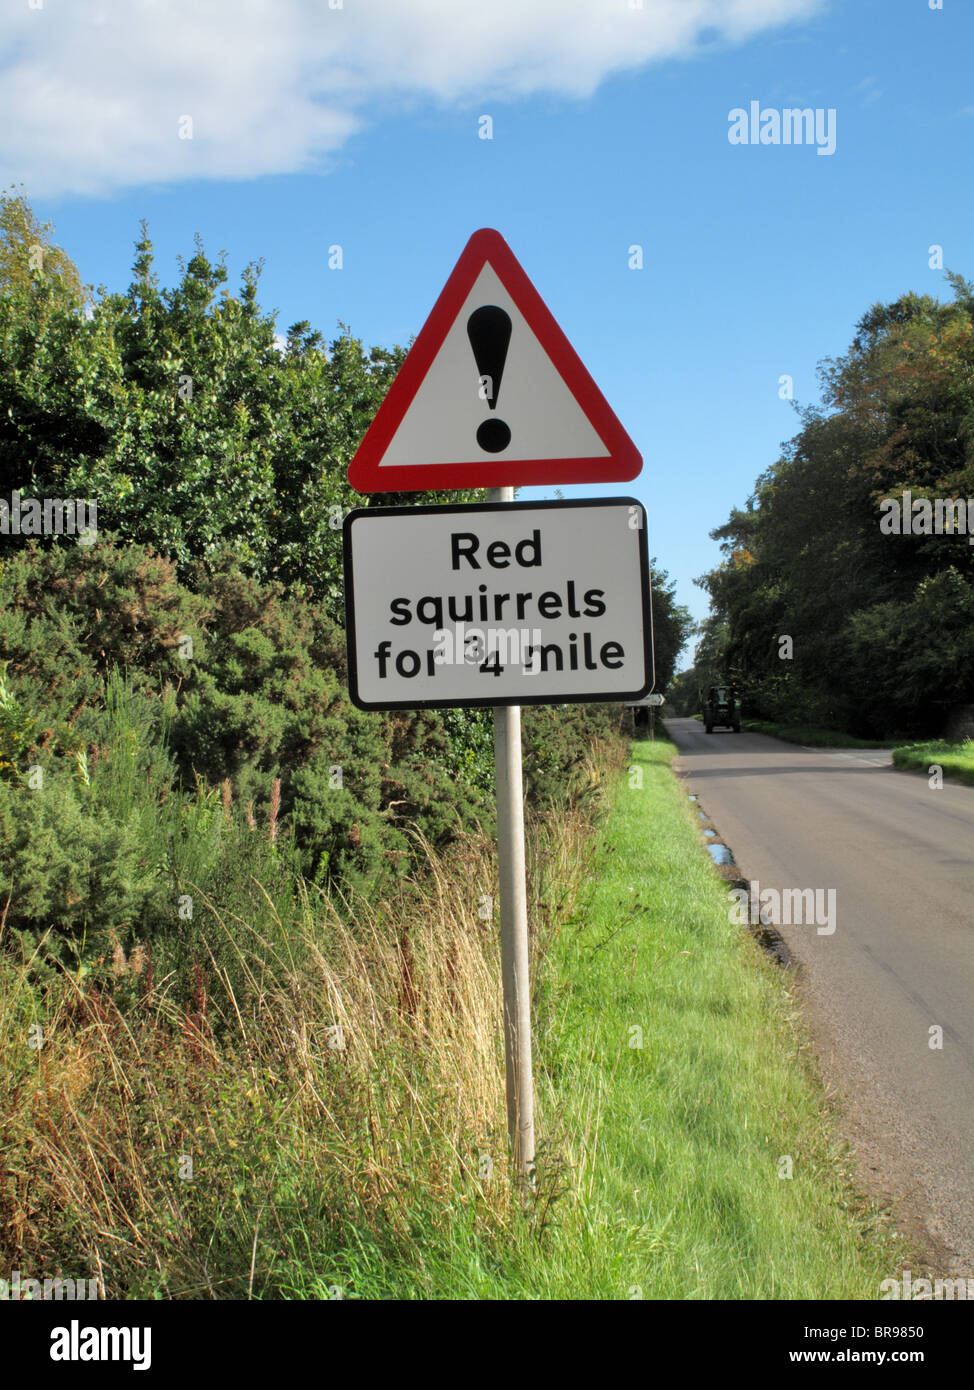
point(722, 708)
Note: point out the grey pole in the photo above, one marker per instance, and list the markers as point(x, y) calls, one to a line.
point(515, 963)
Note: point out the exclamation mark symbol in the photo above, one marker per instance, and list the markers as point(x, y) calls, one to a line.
point(489, 331)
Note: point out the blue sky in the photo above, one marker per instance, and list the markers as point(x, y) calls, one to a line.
point(359, 126)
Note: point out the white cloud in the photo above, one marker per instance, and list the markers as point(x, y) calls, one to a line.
point(93, 90)
point(869, 90)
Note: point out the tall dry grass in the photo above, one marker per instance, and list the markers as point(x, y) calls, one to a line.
point(329, 1080)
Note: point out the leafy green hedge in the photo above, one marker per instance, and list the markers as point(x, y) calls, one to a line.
point(152, 736)
point(174, 706)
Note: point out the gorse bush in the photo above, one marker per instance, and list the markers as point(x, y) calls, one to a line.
point(77, 833)
point(99, 839)
point(131, 701)
point(17, 726)
point(259, 704)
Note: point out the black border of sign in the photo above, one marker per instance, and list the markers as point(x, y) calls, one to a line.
point(455, 508)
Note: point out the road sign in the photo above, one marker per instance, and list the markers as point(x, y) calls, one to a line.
point(491, 394)
point(511, 603)
point(504, 604)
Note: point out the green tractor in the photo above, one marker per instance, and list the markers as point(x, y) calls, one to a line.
point(722, 707)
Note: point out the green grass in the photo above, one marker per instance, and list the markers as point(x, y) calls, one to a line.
point(956, 759)
point(677, 1142)
point(662, 1147)
point(672, 1081)
point(812, 735)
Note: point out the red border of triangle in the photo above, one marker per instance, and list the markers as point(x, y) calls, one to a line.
point(623, 460)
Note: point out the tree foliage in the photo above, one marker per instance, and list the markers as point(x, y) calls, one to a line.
point(28, 256)
point(181, 414)
point(173, 697)
point(879, 623)
point(672, 626)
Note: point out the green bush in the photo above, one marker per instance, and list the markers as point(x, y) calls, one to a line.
point(84, 853)
point(182, 736)
point(70, 614)
point(175, 711)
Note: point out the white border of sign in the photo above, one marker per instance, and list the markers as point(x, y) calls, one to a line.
point(523, 695)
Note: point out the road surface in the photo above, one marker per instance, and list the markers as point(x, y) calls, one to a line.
point(900, 962)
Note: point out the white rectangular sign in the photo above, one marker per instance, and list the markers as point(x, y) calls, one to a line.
point(510, 603)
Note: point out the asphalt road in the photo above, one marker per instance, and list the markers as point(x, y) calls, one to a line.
point(900, 857)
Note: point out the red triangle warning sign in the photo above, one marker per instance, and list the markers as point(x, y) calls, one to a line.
point(491, 394)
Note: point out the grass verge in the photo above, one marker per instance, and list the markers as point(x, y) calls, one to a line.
point(325, 1117)
point(811, 735)
point(680, 1073)
point(956, 759)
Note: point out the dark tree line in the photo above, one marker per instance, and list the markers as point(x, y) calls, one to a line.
point(825, 612)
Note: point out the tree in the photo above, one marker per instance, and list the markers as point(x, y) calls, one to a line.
point(672, 626)
point(806, 560)
point(175, 410)
point(58, 375)
point(27, 252)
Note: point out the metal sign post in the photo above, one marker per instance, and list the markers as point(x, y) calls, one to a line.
point(515, 961)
